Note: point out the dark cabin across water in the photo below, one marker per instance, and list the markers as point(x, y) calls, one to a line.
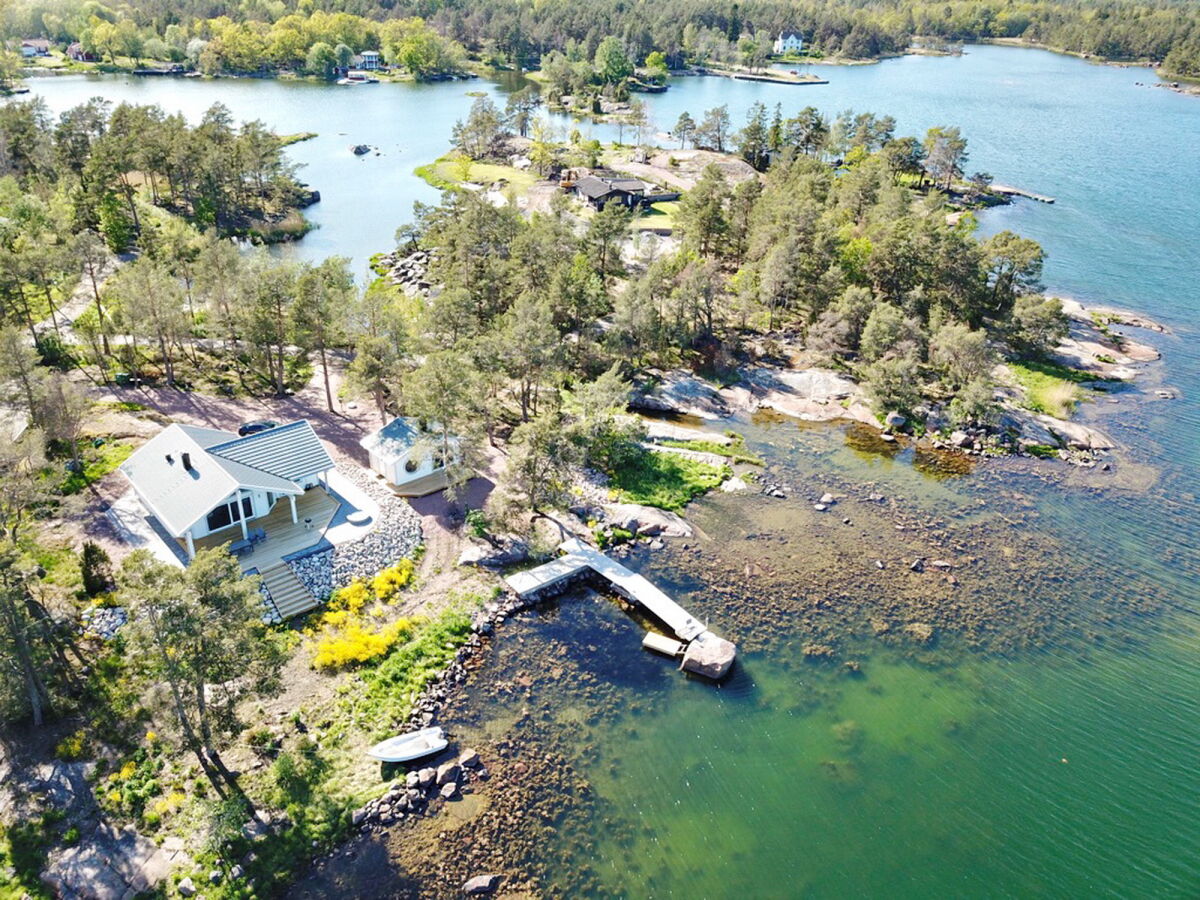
point(599, 191)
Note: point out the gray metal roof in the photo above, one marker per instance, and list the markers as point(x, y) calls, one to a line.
point(220, 463)
point(291, 451)
point(395, 439)
point(178, 496)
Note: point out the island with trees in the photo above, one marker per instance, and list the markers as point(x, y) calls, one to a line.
point(823, 269)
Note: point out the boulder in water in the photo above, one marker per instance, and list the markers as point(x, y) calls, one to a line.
point(709, 656)
point(481, 884)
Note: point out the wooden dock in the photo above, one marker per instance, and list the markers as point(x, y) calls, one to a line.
point(770, 79)
point(704, 653)
point(1010, 191)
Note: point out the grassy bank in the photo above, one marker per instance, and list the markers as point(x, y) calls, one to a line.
point(735, 452)
point(1050, 388)
point(665, 480)
point(289, 139)
point(450, 172)
point(97, 462)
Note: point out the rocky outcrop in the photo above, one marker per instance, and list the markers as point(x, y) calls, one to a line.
point(481, 884)
point(407, 272)
point(1076, 435)
point(657, 430)
point(506, 550)
point(680, 393)
point(814, 395)
point(647, 521)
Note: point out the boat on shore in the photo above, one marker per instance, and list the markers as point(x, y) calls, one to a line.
point(406, 747)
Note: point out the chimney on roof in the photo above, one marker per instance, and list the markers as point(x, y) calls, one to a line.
point(187, 461)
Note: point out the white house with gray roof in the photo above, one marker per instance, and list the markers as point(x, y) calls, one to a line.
point(789, 41)
point(411, 456)
point(202, 483)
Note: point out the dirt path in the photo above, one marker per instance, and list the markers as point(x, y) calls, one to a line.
point(340, 429)
point(81, 298)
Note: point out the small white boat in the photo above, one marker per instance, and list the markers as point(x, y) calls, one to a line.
point(410, 746)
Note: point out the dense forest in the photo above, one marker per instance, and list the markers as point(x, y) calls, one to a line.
point(226, 36)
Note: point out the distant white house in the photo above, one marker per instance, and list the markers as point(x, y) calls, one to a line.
point(368, 60)
point(410, 456)
point(789, 42)
point(200, 482)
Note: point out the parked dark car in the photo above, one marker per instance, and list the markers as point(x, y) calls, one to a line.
point(249, 428)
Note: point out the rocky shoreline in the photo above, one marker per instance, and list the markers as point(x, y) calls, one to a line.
point(814, 394)
point(831, 573)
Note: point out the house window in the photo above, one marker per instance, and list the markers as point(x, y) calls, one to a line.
point(411, 465)
point(227, 513)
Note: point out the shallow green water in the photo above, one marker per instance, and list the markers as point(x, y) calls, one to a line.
point(1054, 773)
point(993, 779)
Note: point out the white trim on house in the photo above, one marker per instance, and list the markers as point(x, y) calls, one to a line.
point(404, 452)
point(200, 481)
point(789, 42)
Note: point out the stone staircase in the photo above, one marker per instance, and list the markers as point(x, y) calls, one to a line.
point(288, 595)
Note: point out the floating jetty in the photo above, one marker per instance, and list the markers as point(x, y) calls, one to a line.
point(1010, 191)
point(704, 653)
point(770, 79)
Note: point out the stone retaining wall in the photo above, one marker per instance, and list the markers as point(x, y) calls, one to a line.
point(396, 535)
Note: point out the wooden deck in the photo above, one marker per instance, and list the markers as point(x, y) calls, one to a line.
point(420, 487)
point(284, 537)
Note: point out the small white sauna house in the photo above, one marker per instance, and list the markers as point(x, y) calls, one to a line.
point(409, 454)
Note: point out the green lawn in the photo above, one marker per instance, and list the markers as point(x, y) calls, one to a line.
point(734, 452)
point(665, 480)
point(659, 215)
point(448, 172)
point(1049, 387)
point(97, 462)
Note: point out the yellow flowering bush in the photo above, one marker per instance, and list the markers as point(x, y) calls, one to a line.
point(354, 644)
point(169, 803)
point(72, 747)
point(352, 597)
point(392, 580)
point(344, 634)
point(129, 790)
